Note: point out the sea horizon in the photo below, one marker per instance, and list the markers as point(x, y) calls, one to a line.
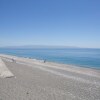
point(46, 47)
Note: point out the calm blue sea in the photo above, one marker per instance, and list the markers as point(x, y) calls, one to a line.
point(74, 56)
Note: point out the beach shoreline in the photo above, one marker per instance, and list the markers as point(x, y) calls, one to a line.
point(67, 67)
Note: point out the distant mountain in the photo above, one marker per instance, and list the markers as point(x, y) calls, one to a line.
point(38, 46)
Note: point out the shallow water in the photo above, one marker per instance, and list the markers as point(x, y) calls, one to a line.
point(74, 56)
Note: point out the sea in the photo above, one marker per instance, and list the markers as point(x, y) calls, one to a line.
point(83, 57)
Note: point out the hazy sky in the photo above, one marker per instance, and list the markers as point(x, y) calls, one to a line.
point(50, 22)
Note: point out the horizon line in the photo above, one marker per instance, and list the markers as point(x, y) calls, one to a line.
point(46, 46)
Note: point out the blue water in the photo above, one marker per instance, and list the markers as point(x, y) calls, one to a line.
point(74, 56)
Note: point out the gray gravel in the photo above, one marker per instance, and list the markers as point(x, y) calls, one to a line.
point(37, 82)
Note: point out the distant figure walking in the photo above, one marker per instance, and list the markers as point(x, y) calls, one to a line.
point(13, 60)
point(45, 61)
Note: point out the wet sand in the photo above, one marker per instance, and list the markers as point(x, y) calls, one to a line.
point(35, 80)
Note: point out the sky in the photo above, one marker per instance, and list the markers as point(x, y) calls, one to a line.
point(50, 22)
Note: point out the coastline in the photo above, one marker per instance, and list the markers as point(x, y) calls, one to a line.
point(78, 57)
point(72, 68)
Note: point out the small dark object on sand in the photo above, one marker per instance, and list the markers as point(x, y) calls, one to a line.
point(27, 93)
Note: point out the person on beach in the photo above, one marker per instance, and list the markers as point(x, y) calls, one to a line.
point(13, 60)
point(45, 61)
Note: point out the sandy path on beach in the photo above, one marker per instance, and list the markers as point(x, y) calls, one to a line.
point(4, 71)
